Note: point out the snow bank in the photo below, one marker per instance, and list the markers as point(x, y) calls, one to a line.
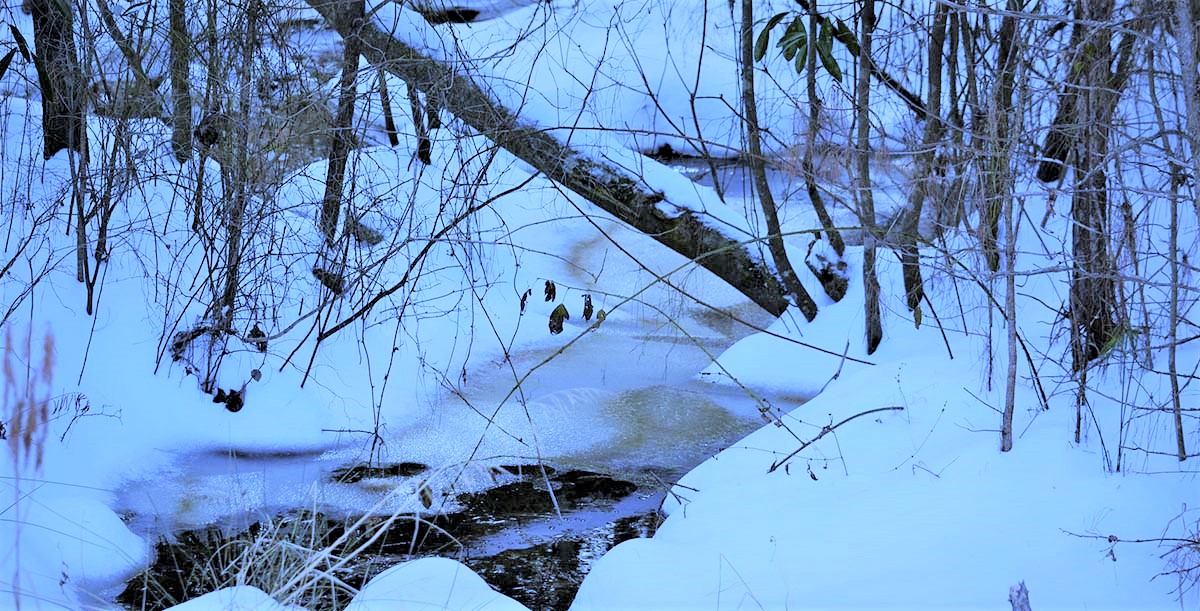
point(902, 509)
point(57, 544)
point(911, 507)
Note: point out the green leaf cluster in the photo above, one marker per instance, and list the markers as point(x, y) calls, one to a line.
point(793, 44)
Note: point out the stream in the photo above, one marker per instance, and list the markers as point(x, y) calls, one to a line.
point(576, 462)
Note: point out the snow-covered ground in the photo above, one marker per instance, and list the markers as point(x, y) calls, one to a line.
point(912, 506)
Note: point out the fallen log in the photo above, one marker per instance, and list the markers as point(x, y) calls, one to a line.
point(609, 187)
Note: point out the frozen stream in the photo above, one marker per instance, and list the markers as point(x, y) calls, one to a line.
point(622, 409)
point(617, 402)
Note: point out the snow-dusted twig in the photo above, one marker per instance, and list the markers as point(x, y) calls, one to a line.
point(829, 429)
point(837, 374)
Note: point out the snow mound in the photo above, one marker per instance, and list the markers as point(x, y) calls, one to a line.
point(428, 584)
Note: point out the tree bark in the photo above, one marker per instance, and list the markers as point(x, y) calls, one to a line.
point(775, 241)
point(998, 196)
point(910, 257)
point(1186, 17)
point(1186, 35)
point(610, 188)
point(59, 76)
point(385, 101)
point(866, 199)
point(181, 93)
point(1062, 134)
point(349, 20)
point(1093, 295)
point(947, 209)
point(996, 169)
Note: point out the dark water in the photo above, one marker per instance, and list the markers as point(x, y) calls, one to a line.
point(533, 546)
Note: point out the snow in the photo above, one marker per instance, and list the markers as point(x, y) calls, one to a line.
point(426, 584)
point(906, 508)
point(66, 540)
point(239, 598)
point(913, 507)
point(430, 584)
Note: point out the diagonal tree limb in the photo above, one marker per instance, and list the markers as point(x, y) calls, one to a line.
point(611, 188)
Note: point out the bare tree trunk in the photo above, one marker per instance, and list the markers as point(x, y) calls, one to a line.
point(1096, 75)
point(1058, 140)
point(948, 207)
point(238, 174)
point(1010, 272)
point(59, 75)
point(181, 94)
point(833, 279)
point(611, 188)
point(978, 117)
point(997, 181)
point(389, 121)
point(1093, 292)
point(775, 242)
point(1185, 28)
point(1010, 314)
point(351, 20)
point(910, 262)
point(996, 161)
point(1065, 127)
point(1173, 331)
point(866, 200)
point(210, 128)
point(1179, 180)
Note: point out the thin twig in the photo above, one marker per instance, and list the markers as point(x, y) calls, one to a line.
point(829, 429)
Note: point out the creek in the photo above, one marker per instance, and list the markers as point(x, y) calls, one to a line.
point(527, 493)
